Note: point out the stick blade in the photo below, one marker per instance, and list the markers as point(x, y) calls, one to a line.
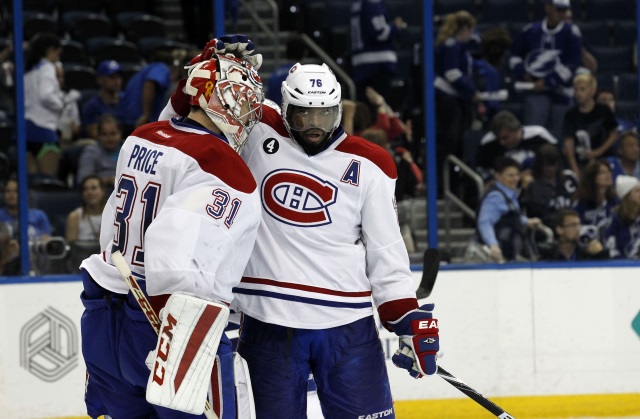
point(430, 267)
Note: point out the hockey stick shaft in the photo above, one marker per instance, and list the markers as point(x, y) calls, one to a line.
point(430, 268)
point(123, 268)
point(473, 394)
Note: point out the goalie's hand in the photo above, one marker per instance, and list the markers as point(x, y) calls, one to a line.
point(237, 45)
point(419, 341)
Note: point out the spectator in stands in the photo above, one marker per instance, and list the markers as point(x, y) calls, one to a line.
point(373, 53)
point(9, 252)
point(409, 181)
point(357, 116)
point(547, 54)
point(83, 223)
point(487, 65)
point(596, 196)
point(501, 225)
point(108, 98)
point(145, 94)
point(623, 234)
point(43, 101)
point(69, 122)
point(627, 161)
point(6, 80)
point(456, 95)
point(39, 226)
point(570, 243)
point(589, 129)
point(606, 97)
point(297, 51)
point(552, 187)
point(101, 158)
point(508, 137)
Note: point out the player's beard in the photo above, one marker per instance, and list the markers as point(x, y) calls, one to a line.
point(312, 140)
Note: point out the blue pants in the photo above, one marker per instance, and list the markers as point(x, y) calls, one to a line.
point(116, 339)
point(347, 363)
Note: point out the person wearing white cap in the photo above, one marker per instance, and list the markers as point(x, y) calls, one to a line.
point(623, 234)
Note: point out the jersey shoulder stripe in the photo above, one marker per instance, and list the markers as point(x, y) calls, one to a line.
point(272, 118)
point(372, 152)
point(212, 154)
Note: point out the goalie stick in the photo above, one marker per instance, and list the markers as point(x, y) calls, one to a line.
point(123, 268)
point(431, 265)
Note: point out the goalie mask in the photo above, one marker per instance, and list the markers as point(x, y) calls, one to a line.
point(229, 90)
point(311, 105)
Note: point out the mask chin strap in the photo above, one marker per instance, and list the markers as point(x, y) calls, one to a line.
point(312, 149)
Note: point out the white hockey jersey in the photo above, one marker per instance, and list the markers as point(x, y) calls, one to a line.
point(329, 239)
point(184, 213)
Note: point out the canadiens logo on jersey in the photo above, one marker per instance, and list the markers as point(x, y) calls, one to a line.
point(298, 198)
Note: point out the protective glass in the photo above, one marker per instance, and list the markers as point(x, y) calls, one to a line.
point(302, 119)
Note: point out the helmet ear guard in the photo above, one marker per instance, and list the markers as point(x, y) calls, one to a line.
point(229, 90)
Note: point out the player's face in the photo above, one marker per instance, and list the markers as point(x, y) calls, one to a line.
point(509, 177)
point(11, 194)
point(109, 136)
point(313, 124)
point(92, 192)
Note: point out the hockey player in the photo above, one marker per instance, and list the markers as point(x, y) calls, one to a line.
point(184, 214)
point(328, 244)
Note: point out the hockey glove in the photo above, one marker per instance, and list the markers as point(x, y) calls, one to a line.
point(238, 45)
point(419, 341)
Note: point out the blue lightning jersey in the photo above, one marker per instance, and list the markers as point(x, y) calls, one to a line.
point(372, 39)
point(549, 54)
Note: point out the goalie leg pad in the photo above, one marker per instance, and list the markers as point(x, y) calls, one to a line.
point(185, 353)
point(244, 393)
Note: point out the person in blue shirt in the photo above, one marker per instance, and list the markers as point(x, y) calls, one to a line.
point(39, 225)
point(623, 234)
point(627, 161)
point(501, 224)
point(297, 51)
point(39, 231)
point(146, 92)
point(108, 98)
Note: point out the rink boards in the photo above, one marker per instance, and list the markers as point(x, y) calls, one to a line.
point(544, 343)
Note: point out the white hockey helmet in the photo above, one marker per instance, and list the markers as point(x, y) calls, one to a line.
point(230, 91)
point(308, 89)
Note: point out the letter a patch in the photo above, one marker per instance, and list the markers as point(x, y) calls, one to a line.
point(352, 174)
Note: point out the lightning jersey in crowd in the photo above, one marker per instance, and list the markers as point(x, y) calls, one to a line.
point(549, 54)
point(372, 38)
point(329, 240)
point(184, 213)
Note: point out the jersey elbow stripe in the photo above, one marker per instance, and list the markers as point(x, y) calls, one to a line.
point(299, 299)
